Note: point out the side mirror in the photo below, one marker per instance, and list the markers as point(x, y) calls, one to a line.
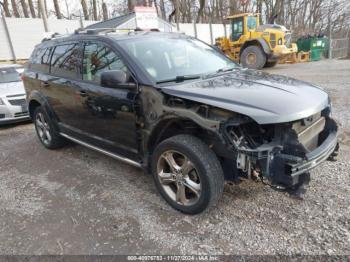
point(116, 79)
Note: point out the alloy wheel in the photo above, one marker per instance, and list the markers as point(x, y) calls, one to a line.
point(43, 128)
point(179, 178)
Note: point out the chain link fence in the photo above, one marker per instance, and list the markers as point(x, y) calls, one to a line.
point(339, 48)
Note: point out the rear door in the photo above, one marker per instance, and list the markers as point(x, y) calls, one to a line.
point(62, 86)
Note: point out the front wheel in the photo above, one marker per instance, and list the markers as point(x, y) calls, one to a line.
point(187, 174)
point(253, 57)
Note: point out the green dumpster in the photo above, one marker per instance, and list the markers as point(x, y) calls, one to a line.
point(316, 45)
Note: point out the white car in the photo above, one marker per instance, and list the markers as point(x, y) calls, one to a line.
point(13, 104)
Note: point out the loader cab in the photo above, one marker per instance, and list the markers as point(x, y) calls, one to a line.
point(242, 24)
point(237, 28)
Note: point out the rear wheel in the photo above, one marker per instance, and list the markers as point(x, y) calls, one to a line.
point(253, 57)
point(187, 174)
point(45, 130)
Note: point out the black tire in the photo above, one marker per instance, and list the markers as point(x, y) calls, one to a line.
point(271, 64)
point(55, 141)
point(206, 166)
point(256, 52)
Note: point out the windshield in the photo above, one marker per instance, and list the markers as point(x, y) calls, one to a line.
point(167, 58)
point(9, 74)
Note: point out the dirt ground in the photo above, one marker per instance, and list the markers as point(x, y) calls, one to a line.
point(77, 201)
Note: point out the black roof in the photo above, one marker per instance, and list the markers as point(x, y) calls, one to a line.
point(111, 36)
point(113, 22)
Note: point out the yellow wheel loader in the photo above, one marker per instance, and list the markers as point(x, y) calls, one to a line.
point(256, 46)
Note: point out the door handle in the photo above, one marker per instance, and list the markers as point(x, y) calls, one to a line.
point(83, 93)
point(45, 84)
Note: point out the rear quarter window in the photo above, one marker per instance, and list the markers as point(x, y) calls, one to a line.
point(40, 59)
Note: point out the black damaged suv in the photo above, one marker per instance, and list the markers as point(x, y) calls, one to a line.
point(179, 109)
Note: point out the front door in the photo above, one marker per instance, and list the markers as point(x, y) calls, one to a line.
point(107, 116)
point(237, 28)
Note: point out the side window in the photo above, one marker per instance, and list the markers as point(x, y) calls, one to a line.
point(40, 60)
point(237, 28)
point(251, 22)
point(66, 60)
point(99, 58)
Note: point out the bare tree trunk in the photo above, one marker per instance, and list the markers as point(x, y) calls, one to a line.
point(45, 6)
point(104, 11)
point(5, 6)
point(200, 10)
point(67, 9)
point(94, 9)
point(14, 8)
point(25, 8)
point(233, 7)
point(172, 14)
point(162, 9)
point(39, 11)
point(131, 5)
point(85, 9)
point(57, 9)
point(31, 8)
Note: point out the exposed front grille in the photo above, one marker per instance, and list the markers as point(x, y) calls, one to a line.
point(2, 116)
point(308, 129)
point(288, 40)
point(17, 102)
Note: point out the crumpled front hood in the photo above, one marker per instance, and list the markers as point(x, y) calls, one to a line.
point(264, 97)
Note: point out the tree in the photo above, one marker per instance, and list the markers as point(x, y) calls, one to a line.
point(162, 9)
point(200, 10)
point(104, 11)
point(57, 9)
point(85, 9)
point(25, 8)
point(31, 8)
point(14, 8)
point(94, 10)
point(5, 6)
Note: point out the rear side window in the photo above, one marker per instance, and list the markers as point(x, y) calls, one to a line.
point(40, 60)
point(99, 58)
point(66, 61)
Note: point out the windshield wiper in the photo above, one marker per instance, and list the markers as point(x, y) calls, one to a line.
point(179, 79)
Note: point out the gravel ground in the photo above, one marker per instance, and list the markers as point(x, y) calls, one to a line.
point(76, 201)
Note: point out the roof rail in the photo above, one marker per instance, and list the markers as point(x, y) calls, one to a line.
point(94, 31)
point(54, 35)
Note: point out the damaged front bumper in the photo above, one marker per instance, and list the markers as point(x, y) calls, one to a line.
point(291, 167)
point(278, 162)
